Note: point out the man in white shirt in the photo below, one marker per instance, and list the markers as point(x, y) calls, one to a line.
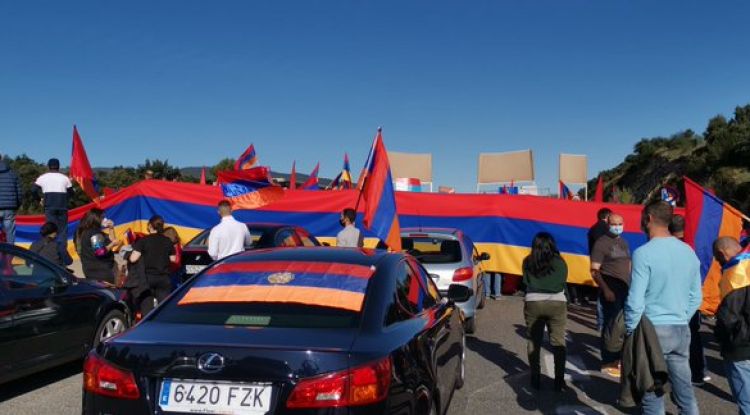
point(350, 236)
point(56, 190)
point(229, 236)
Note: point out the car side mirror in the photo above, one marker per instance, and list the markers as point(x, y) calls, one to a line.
point(458, 293)
point(483, 256)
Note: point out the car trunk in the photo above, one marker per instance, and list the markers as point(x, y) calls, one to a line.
point(265, 356)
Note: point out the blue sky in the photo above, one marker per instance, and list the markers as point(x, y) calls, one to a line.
point(196, 81)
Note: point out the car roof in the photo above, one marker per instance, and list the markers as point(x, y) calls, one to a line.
point(431, 231)
point(357, 256)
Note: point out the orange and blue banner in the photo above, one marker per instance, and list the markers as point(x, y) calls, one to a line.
point(80, 168)
point(706, 219)
point(321, 284)
point(380, 215)
point(247, 159)
point(500, 225)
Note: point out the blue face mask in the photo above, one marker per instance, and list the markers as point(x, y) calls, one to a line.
point(616, 229)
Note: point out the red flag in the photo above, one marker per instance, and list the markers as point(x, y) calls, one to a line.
point(293, 176)
point(312, 181)
point(80, 168)
point(203, 176)
point(379, 197)
point(599, 194)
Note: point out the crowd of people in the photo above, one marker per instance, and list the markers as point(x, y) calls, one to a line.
point(648, 310)
point(648, 299)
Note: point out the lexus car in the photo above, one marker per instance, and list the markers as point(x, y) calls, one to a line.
point(450, 257)
point(48, 316)
point(264, 235)
point(289, 331)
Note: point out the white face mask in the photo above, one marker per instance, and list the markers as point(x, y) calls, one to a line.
point(616, 229)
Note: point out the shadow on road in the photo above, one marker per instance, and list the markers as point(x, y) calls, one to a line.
point(39, 380)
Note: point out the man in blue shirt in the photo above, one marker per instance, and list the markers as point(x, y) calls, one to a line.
point(665, 287)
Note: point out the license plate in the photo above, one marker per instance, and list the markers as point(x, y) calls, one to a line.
point(229, 398)
point(194, 269)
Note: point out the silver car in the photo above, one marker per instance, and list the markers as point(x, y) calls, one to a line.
point(450, 257)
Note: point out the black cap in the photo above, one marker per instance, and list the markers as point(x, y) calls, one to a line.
point(53, 164)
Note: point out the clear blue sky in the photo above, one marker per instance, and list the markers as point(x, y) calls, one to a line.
point(196, 81)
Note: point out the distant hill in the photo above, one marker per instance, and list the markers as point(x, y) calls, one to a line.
point(719, 159)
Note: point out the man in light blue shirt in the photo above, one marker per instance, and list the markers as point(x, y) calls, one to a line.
point(665, 287)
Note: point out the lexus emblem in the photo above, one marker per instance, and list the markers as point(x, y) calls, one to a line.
point(210, 362)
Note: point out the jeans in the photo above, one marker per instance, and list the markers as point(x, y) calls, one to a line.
point(697, 358)
point(492, 283)
point(8, 218)
point(738, 375)
point(675, 344)
point(60, 218)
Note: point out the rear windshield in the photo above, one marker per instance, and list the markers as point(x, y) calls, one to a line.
point(201, 241)
point(431, 250)
point(242, 292)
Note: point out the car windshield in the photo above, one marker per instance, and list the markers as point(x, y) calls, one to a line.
point(432, 250)
point(201, 241)
point(290, 294)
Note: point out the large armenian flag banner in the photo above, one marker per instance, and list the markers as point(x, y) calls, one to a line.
point(501, 225)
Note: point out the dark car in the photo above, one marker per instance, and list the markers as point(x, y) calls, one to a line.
point(265, 235)
point(48, 316)
point(289, 331)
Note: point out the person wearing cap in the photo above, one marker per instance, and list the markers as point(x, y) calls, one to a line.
point(55, 189)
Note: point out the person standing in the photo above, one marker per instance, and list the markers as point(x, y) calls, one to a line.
point(350, 236)
point(10, 200)
point(56, 189)
point(545, 305)
point(610, 268)
point(665, 287)
point(229, 236)
point(157, 253)
point(697, 357)
point(95, 242)
point(733, 318)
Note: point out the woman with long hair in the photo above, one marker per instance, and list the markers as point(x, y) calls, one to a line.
point(545, 274)
point(157, 252)
point(95, 242)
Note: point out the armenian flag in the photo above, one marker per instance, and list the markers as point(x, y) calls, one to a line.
point(247, 160)
point(248, 192)
point(379, 197)
point(80, 168)
point(312, 181)
point(322, 284)
point(565, 192)
point(707, 218)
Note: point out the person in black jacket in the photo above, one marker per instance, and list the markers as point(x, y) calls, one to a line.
point(732, 328)
point(10, 201)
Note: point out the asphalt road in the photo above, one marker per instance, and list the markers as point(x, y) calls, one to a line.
point(497, 375)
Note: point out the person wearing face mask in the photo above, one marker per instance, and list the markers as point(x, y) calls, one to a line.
point(610, 268)
point(350, 236)
point(665, 290)
point(732, 323)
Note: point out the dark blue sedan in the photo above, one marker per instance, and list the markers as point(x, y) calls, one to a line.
point(289, 331)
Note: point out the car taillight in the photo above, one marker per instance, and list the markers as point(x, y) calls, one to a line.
point(362, 385)
point(463, 274)
point(102, 378)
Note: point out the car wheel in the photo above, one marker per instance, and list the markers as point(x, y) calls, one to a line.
point(471, 325)
point(461, 375)
point(113, 323)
